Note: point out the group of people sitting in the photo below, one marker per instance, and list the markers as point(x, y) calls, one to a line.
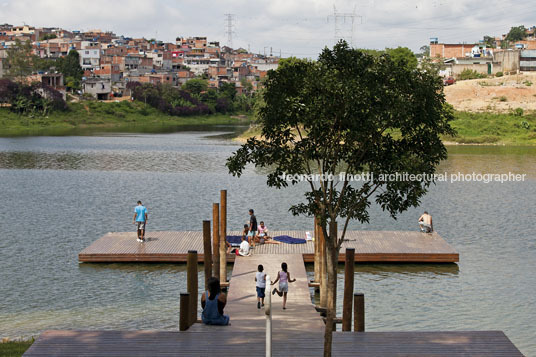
point(252, 234)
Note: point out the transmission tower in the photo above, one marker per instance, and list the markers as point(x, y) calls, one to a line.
point(341, 20)
point(229, 28)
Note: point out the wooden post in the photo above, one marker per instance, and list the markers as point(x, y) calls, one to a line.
point(359, 312)
point(216, 239)
point(323, 270)
point(207, 252)
point(348, 289)
point(317, 252)
point(184, 313)
point(192, 284)
point(223, 235)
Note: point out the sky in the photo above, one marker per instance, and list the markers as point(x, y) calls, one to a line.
point(299, 28)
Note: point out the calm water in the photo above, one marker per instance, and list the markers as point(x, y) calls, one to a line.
point(61, 193)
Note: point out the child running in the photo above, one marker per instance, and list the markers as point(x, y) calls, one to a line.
point(284, 278)
point(260, 278)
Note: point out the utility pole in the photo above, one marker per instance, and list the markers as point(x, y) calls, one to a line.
point(340, 18)
point(229, 28)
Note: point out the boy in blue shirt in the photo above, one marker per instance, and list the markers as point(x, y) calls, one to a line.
point(140, 220)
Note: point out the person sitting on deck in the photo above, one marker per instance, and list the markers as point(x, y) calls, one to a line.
point(425, 223)
point(262, 236)
point(244, 247)
point(213, 301)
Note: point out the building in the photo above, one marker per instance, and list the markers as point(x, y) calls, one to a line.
point(99, 88)
point(89, 58)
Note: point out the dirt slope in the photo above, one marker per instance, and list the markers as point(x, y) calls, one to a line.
point(501, 94)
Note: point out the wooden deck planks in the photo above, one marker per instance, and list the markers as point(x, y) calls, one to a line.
point(370, 246)
point(227, 343)
point(298, 330)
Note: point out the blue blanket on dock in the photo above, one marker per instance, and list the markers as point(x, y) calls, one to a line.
point(289, 240)
point(236, 240)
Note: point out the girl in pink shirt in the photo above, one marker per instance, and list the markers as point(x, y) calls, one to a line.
point(284, 278)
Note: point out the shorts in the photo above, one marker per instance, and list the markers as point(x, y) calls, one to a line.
point(425, 227)
point(260, 292)
point(283, 287)
point(262, 234)
point(251, 233)
point(141, 225)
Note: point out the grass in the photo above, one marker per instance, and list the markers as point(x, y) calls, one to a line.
point(87, 117)
point(493, 128)
point(476, 128)
point(14, 348)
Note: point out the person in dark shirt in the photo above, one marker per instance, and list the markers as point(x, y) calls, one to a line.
point(252, 228)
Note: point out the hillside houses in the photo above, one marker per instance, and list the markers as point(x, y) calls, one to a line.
point(111, 61)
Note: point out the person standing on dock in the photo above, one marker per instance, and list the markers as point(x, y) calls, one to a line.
point(140, 220)
point(425, 223)
point(252, 228)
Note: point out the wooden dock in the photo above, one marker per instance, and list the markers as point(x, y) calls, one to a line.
point(370, 246)
point(298, 330)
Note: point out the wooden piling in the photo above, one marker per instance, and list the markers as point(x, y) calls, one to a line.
point(348, 290)
point(184, 312)
point(207, 251)
point(359, 312)
point(192, 284)
point(323, 270)
point(216, 239)
point(223, 235)
point(317, 253)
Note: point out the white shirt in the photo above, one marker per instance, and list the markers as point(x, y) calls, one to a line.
point(244, 248)
point(261, 279)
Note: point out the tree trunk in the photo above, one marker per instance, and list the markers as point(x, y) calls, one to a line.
point(332, 255)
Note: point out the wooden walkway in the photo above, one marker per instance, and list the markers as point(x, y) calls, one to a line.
point(370, 246)
point(298, 330)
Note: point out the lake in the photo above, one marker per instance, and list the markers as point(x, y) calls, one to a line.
point(61, 193)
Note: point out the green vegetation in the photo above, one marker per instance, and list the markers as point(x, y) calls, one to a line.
point(515, 128)
point(489, 41)
point(470, 74)
point(14, 348)
point(499, 74)
point(90, 116)
point(516, 33)
point(527, 83)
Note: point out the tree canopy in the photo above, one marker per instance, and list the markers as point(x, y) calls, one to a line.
point(346, 114)
point(20, 60)
point(516, 33)
point(195, 86)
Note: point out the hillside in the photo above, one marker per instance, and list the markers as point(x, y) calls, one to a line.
point(500, 94)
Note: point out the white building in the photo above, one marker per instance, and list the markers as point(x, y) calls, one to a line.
point(89, 58)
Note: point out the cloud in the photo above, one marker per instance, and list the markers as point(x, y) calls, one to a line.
point(298, 27)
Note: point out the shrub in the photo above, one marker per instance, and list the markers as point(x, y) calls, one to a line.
point(503, 99)
point(470, 74)
point(518, 112)
point(527, 83)
point(499, 74)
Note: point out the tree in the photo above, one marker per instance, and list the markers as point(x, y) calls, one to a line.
point(346, 114)
point(70, 65)
point(228, 90)
point(403, 56)
point(20, 60)
point(516, 33)
point(489, 41)
point(425, 50)
point(195, 86)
